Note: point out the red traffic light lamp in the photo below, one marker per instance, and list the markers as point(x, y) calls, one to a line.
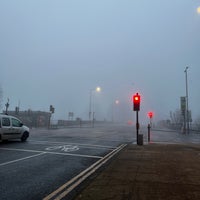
point(150, 114)
point(136, 102)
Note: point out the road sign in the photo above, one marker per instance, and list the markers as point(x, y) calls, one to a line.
point(183, 105)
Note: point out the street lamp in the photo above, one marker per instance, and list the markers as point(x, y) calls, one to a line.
point(97, 89)
point(117, 102)
point(198, 10)
point(187, 107)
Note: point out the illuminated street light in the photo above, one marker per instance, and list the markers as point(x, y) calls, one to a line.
point(98, 89)
point(198, 10)
point(117, 102)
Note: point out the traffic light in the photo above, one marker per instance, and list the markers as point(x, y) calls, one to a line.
point(150, 114)
point(136, 102)
point(52, 109)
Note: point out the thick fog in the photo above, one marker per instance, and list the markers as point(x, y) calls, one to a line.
point(57, 53)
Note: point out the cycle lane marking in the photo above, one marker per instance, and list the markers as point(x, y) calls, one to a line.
point(65, 148)
point(71, 143)
point(45, 152)
point(49, 150)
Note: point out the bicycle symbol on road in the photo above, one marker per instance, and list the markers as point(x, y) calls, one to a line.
point(65, 148)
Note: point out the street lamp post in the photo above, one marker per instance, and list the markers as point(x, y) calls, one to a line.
point(187, 104)
point(90, 105)
point(91, 114)
point(114, 110)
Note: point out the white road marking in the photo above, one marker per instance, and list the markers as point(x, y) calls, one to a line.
point(65, 148)
point(71, 143)
point(56, 153)
point(25, 150)
point(25, 158)
point(62, 191)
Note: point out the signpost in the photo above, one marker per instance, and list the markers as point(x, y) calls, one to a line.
point(183, 111)
point(150, 114)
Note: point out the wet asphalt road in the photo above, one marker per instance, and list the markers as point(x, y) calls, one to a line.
point(50, 158)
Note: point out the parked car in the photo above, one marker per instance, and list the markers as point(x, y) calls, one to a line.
point(12, 128)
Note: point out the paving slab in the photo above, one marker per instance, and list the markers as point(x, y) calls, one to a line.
point(153, 171)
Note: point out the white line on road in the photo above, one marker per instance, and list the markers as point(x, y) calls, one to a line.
point(25, 150)
point(25, 158)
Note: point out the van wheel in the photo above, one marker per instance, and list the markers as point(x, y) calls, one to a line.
point(24, 136)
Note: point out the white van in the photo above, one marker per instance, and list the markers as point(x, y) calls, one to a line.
point(12, 128)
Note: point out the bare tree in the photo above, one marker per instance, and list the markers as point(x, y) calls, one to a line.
point(197, 123)
point(176, 119)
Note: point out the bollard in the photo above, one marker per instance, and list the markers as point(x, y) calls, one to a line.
point(140, 139)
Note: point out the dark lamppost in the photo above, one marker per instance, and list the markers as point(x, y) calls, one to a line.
point(187, 107)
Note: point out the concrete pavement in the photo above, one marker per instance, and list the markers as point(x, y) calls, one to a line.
point(152, 171)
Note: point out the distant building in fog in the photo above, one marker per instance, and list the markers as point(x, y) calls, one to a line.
point(32, 118)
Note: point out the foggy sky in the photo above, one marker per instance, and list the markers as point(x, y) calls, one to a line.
point(56, 52)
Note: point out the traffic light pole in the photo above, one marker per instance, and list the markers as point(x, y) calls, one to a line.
point(137, 126)
point(149, 132)
point(136, 107)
